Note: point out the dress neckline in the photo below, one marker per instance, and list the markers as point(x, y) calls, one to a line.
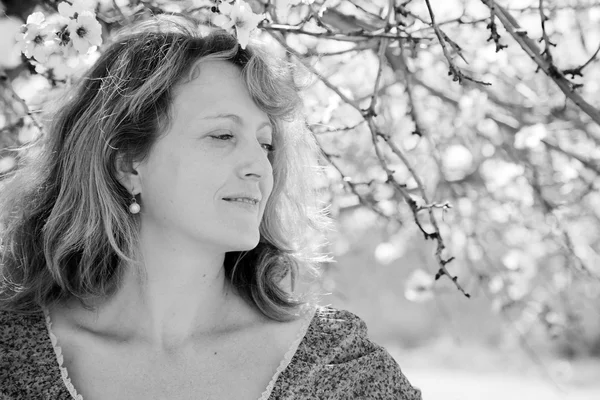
point(307, 313)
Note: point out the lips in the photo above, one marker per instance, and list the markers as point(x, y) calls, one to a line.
point(248, 195)
point(253, 208)
point(247, 201)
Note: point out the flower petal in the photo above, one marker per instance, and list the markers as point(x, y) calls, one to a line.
point(27, 48)
point(32, 34)
point(225, 8)
point(40, 53)
point(86, 16)
point(95, 39)
point(66, 10)
point(256, 19)
point(84, 5)
point(222, 21)
point(37, 18)
point(81, 45)
point(243, 36)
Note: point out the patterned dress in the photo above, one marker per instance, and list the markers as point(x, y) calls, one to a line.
point(331, 358)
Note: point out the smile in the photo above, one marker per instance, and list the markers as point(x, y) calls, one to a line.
point(245, 203)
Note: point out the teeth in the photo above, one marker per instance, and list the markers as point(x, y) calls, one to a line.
point(249, 201)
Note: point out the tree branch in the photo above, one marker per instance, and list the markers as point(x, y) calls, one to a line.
point(515, 30)
point(453, 70)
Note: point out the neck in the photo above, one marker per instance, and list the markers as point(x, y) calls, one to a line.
point(183, 295)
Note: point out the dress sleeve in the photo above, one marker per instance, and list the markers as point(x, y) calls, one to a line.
point(28, 367)
point(378, 376)
point(339, 362)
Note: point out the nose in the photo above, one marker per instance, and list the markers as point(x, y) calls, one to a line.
point(255, 162)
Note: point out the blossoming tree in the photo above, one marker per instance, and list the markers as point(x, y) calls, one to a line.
point(471, 124)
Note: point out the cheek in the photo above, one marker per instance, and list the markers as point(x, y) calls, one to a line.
point(167, 169)
point(163, 177)
point(197, 177)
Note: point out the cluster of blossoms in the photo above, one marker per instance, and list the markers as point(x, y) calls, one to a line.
point(73, 30)
point(238, 15)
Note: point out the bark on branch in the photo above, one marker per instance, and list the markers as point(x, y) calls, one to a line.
point(528, 45)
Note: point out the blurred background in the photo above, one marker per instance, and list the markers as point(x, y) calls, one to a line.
point(460, 142)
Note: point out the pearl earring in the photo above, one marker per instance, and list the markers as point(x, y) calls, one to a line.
point(134, 207)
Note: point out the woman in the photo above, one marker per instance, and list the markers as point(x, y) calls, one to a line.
point(151, 245)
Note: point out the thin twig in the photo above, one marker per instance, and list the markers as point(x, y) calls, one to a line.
point(335, 130)
point(460, 20)
point(436, 235)
point(545, 38)
point(315, 72)
point(593, 165)
point(571, 6)
point(408, 78)
point(120, 12)
point(514, 29)
point(5, 82)
point(360, 47)
point(457, 75)
point(383, 44)
point(579, 70)
point(352, 185)
point(358, 36)
point(494, 34)
point(368, 115)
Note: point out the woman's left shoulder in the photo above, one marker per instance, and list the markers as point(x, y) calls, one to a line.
point(337, 341)
point(339, 335)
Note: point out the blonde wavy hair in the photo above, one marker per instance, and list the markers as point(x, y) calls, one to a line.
point(65, 227)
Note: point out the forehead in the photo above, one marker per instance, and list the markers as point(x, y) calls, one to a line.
point(217, 87)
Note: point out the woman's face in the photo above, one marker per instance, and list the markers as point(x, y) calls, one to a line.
point(216, 147)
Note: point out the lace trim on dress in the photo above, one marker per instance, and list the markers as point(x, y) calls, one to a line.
point(59, 357)
point(287, 358)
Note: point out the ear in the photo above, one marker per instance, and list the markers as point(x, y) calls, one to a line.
point(128, 174)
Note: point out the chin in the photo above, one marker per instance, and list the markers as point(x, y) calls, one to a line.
point(245, 243)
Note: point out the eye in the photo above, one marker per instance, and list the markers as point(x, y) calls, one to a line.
point(269, 147)
point(222, 137)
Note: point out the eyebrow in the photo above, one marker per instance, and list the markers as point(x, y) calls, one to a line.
point(237, 119)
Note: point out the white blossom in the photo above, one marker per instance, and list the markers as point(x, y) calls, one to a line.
point(37, 18)
point(37, 37)
point(530, 136)
point(20, 38)
point(240, 16)
point(60, 31)
point(37, 49)
point(85, 32)
point(291, 3)
point(76, 7)
point(60, 65)
point(202, 3)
